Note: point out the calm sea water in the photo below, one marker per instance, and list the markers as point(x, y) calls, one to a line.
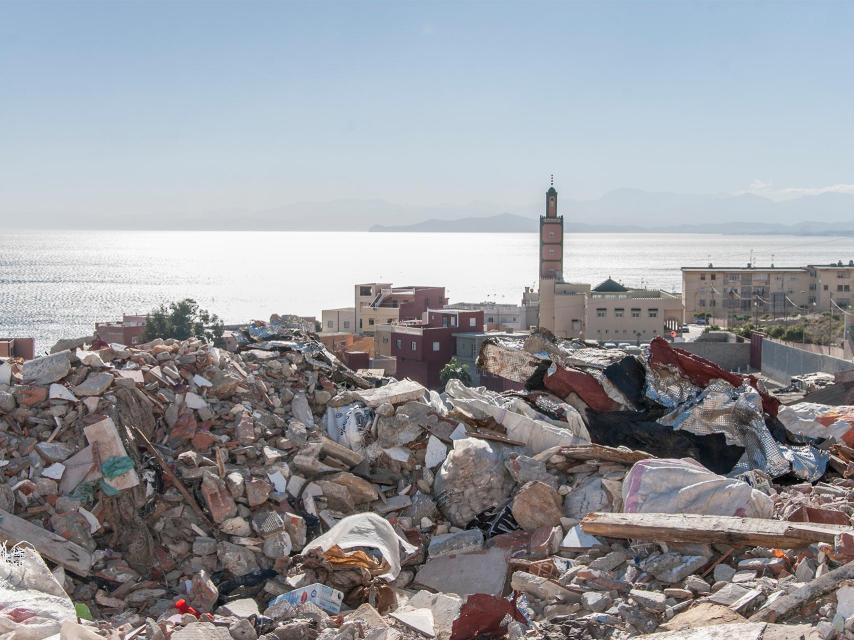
point(57, 284)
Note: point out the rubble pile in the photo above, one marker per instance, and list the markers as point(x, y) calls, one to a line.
point(263, 490)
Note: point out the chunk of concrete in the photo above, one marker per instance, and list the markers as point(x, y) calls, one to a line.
point(466, 573)
point(47, 369)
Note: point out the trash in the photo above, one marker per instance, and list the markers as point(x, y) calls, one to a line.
point(35, 604)
point(685, 486)
point(599, 502)
point(366, 530)
point(819, 421)
point(471, 480)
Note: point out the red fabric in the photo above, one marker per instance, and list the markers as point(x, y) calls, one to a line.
point(701, 371)
point(565, 381)
point(481, 617)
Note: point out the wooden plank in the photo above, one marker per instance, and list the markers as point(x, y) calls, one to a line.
point(666, 527)
point(51, 545)
point(603, 453)
point(810, 592)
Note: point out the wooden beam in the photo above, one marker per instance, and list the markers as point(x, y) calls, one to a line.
point(808, 593)
point(51, 545)
point(753, 532)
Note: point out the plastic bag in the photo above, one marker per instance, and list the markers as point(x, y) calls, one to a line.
point(366, 530)
point(663, 485)
point(33, 605)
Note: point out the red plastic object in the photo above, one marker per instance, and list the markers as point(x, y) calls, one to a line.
point(182, 606)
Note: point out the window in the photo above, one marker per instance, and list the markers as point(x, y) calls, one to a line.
point(364, 291)
point(414, 345)
point(839, 287)
point(635, 313)
point(385, 339)
point(846, 287)
point(453, 321)
point(601, 313)
point(436, 345)
point(653, 313)
point(825, 287)
point(472, 322)
point(360, 323)
point(619, 312)
point(490, 320)
point(702, 303)
point(370, 322)
point(713, 303)
point(399, 343)
point(346, 324)
point(713, 276)
point(329, 323)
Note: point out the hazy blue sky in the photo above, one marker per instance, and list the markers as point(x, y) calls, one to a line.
point(208, 106)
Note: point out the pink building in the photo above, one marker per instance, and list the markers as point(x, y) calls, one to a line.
point(18, 348)
point(127, 332)
point(378, 303)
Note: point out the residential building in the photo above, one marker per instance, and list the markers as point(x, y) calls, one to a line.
point(723, 293)
point(609, 312)
point(378, 303)
point(383, 358)
point(129, 331)
point(18, 348)
point(531, 307)
point(338, 320)
point(496, 316)
point(421, 349)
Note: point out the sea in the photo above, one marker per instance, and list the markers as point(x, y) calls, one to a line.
point(57, 284)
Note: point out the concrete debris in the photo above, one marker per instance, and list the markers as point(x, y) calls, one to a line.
point(263, 491)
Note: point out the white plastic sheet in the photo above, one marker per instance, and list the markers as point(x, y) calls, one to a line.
point(538, 435)
point(366, 530)
point(33, 605)
point(663, 485)
point(818, 420)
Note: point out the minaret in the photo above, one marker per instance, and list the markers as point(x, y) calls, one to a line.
point(551, 238)
point(551, 258)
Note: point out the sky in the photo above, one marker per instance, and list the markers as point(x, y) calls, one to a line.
point(220, 107)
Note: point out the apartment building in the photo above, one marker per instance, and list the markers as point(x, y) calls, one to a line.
point(338, 320)
point(496, 316)
point(725, 292)
point(129, 330)
point(378, 303)
point(422, 349)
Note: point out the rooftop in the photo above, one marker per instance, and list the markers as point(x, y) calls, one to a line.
point(609, 286)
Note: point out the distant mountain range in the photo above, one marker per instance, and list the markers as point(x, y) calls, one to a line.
point(623, 210)
point(511, 223)
point(636, 211)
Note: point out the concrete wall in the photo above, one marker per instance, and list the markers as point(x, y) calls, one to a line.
point(732, 356)
point(780, 362)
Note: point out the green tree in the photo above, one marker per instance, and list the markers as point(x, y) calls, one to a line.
point(455, 370)
point(776, 331)
point(183, 319)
